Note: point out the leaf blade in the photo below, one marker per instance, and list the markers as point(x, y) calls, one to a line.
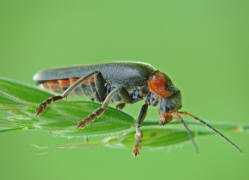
point(20, 93)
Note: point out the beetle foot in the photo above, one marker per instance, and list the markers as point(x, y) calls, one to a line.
point(41, 107)
point(120, 106)
point(91, 117)
point(86, 121)
point(162, 122)
point(44, 104)
point(136, 150)
point(166, 117)
point(137, 147)
point(81, 124)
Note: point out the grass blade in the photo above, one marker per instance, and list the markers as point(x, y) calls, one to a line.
point(17, 112)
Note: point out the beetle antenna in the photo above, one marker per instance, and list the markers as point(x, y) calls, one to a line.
point(212, 128)
point(189, 132)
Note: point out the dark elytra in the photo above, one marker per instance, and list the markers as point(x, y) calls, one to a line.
point(119, 73)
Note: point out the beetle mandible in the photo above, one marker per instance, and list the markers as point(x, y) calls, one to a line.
point(123, 82)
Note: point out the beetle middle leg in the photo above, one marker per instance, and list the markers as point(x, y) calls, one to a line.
point(44, 104)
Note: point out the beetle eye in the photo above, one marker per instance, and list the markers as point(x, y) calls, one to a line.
point(157, 83)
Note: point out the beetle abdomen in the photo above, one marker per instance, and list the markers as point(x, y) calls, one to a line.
point(61, 85)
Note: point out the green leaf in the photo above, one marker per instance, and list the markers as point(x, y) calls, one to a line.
point(18, 103)
point(155, 138)
point(17, 93)
point(17, 112)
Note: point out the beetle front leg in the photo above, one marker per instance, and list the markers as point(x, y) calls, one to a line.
point(44, 104)
point(139, 135)
point(164, 113)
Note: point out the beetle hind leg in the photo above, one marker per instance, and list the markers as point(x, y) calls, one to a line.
point(101, 89)
point(44, 104)
point(99, 83)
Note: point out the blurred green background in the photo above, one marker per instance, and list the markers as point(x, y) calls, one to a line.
point(203, 45)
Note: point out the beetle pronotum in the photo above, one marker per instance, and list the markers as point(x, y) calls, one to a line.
point(123, 82)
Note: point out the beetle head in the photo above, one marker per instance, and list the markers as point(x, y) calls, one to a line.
point(170, 97)
point(163, 89)
point(169, 107)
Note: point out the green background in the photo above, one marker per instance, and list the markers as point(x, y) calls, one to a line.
point(203, 45)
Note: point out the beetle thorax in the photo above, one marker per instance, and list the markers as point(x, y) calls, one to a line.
point(160, 84)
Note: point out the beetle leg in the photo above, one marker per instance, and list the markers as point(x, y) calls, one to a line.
point(120, 106)
point(77, 83)
point(98, 112)
point(139, 134)
point(100, 86)
point(125, 96)
point(44, 104)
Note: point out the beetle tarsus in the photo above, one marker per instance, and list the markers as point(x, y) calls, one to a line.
point(81, 124)
point(120, 106)
point(162, 122)
point(166, 117)
point(44, 104)
point(40, 109)
point(91, 117)
point(136, 150)
point(137, 147)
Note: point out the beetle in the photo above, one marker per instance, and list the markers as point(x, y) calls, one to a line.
point(122, 82)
